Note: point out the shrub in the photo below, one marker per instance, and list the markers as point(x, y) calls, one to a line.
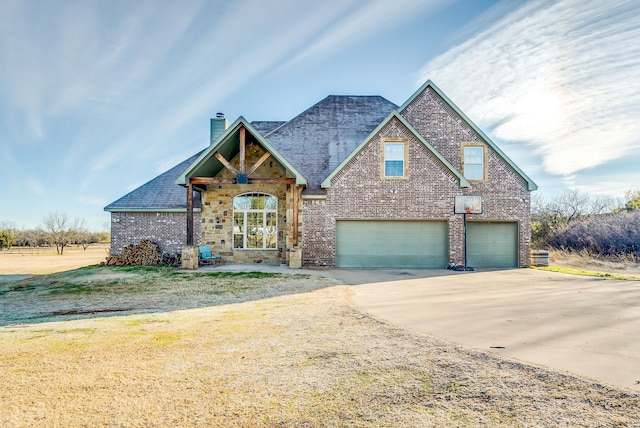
point(609, 235)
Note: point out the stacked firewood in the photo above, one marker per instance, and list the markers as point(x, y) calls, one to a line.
point(146, 253)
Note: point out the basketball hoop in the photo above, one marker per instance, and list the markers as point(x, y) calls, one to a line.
point(466, 205)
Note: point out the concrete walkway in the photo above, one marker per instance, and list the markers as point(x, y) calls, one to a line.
point(582, 325)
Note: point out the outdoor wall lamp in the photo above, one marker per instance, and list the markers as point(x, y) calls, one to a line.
point(217, 219)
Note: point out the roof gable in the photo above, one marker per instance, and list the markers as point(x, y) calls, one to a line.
point(395, 115)
point(207, 165)
point(320, 138)
point(531, 185)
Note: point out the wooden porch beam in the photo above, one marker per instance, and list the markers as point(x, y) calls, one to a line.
point(258, 163)
point(213, 180)
point(226, 163)
point(232, 180)
point(190, 214)
point(242, 149)
point(272, 180)
point(294, 187)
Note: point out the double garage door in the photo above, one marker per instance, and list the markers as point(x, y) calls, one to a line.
point(391, 244)
point(422, 244)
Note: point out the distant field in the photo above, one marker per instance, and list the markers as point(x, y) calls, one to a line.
point(24, 261)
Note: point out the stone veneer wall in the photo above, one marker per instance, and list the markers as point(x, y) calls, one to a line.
point(169, 230)
point(217, 203)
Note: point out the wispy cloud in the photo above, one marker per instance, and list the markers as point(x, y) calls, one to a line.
point(359, 22)
point(560, 77)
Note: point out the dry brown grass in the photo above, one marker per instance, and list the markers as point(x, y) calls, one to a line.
point(241, 357)
point(616, 266)
point(299, 360)
point(21, 261)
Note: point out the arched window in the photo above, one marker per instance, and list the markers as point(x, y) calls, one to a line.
point(255, 221)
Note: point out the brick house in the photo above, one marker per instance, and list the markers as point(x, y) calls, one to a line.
point(354, 181)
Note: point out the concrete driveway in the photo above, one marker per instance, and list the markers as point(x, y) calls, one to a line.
point(586, 326)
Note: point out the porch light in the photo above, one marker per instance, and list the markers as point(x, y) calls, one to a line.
point(217, 219)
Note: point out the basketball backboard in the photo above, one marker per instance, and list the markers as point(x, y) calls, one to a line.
point(467, 204)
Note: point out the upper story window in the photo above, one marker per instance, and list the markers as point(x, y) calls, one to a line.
point(255, 221)
point(395, 159)
point(474, 161)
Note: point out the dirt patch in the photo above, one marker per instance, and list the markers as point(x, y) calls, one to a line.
point(304, 360)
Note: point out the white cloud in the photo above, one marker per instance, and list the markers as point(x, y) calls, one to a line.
point(356, 24)
point(559, 76)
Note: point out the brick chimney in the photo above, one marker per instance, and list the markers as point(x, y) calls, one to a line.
point(218, 125)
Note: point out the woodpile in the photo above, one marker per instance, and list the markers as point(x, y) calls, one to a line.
point(146, 253)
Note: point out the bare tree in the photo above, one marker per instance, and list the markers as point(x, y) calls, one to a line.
point(62, 230)
point(553, 215)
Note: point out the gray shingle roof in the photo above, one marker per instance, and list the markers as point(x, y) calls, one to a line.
point(264, 127)
point(316, 141)
point(161, 193)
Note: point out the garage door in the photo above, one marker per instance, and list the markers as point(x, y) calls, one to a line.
point(407, 244)
point(492, 244)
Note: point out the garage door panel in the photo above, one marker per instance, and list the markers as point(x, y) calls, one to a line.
point(492, 244)
point(421, 244)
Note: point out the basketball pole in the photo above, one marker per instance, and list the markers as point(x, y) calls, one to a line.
point(465, 240)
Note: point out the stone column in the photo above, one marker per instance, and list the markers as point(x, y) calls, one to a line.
point(295, 258)
point(190, 258)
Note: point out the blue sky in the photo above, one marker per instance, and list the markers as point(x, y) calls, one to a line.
point(98, 97)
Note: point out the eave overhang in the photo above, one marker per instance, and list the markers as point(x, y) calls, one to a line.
point(149, 210)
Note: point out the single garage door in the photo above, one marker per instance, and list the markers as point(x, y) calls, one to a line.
point(391, 244)
point(492, 244)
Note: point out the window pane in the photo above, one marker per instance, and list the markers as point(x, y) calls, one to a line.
point(271, 222)
point(271, 203)
point(393, 168)
point(257, 202)
point(474, 172)
point(474, 163)
point(254, 230)
point(238, 230)
point(473, 155)
point(394, 151)
point(242, 202)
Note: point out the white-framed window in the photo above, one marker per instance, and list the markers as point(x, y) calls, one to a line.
point(255, 225)
point(394, 154)
point(474, 161)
